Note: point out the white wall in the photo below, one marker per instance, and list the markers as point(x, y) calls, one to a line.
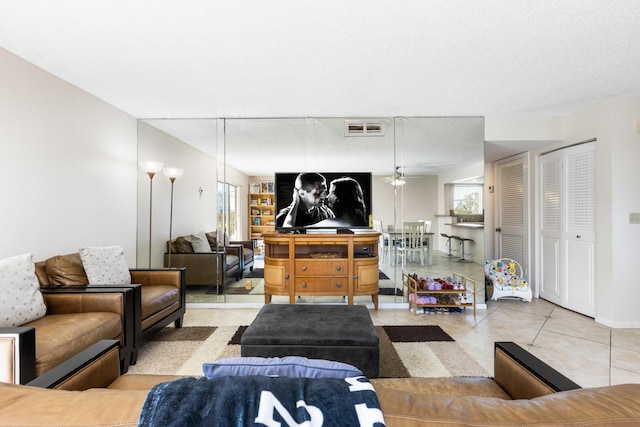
point(67, 166)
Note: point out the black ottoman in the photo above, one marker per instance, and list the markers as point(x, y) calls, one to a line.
point(342, 333)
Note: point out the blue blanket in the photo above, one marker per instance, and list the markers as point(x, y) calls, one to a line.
point(262, 401)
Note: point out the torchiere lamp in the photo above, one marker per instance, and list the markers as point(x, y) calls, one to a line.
point(151, 168)
point(172, 174)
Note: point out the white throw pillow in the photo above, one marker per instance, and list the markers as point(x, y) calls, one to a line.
point(105, 265)
point(200, 243)
point(20, 298)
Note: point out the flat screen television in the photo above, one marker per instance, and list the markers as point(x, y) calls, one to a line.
point(322, 200)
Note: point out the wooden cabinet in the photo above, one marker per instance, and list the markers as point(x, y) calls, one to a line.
point(461, 297)
point(262, 215)
point(343, 264)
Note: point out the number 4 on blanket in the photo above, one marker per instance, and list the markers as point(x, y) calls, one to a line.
point(263, 401)
point(367, 416)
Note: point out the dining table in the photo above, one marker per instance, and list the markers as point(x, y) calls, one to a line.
point(395, 235)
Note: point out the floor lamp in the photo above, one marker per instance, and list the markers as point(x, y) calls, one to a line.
point(151, 168)
point(172, 174)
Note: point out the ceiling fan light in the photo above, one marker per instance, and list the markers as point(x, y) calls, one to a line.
point(398, 182)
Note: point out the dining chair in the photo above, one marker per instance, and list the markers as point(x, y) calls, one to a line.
point(383, 240)
point(413, 242)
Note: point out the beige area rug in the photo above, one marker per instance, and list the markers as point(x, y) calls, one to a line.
point(405, 351)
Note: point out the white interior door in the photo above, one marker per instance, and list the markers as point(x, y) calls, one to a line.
point(579, 234)
point(568, 227)
point(550, 213)
point(512, 194)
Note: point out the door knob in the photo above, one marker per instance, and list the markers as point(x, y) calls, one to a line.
point(578, 236)
point(498, 229)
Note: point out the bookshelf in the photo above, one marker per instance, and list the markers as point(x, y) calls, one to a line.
point(262, 216)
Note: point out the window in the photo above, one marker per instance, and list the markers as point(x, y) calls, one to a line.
point(467, 199)
point(228, 217)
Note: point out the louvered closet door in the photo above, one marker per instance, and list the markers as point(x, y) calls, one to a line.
point(579, 235)
point(512, 196)
point(550, 225)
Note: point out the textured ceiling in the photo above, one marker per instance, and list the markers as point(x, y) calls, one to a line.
point(335, 58)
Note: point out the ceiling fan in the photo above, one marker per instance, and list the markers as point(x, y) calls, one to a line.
point(398, 178)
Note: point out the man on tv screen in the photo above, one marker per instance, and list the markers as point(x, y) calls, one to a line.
point(307, 206)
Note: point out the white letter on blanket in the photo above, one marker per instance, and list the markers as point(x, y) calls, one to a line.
point(355, 385)
point(269, 403)
point(368, 416)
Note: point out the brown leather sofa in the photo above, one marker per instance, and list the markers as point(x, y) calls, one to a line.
point(159, 295)
point(210, 268)
point(75, 320)
point(524, 392)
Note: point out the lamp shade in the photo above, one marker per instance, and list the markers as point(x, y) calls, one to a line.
point(172, 173)
point(151, 167)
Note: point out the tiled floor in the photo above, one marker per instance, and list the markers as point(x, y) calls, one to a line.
point(588, 353)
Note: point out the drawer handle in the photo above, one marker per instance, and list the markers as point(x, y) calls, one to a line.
point(304, 268)
point(338, 267)
point(286, 276)
point(355, 277)
point(338, 284)
point(304, 285)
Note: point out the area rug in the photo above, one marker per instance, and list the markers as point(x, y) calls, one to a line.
point(405, 351)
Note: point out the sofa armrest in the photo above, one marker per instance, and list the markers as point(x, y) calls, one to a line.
point(524, 376)
point(159, 276)
point(18, 354)
point(248, 244)
point(96, 367)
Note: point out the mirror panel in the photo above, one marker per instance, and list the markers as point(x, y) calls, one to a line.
point(427, 152)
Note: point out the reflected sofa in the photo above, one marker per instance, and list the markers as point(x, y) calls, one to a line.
point(524, 392)
point(215, 267)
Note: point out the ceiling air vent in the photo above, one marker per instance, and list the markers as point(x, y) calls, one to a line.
point(363, 128)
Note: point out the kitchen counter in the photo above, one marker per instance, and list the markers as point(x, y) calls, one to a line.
point(467, 224)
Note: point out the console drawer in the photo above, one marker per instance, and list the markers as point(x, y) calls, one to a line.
point(335, 285)
point(321, 267)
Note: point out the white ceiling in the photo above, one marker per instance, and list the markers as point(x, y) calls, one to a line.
point(334, 58)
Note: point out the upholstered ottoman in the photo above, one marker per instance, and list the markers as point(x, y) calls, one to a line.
point(342, 333)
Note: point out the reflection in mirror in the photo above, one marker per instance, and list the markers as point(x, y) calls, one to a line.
point(427, 154)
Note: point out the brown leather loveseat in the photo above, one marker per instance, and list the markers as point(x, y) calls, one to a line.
point(524, 392)
point(214, 267)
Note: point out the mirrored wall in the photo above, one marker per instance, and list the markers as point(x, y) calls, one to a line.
point(413, 162)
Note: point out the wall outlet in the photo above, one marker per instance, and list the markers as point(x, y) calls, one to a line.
point(634, 218)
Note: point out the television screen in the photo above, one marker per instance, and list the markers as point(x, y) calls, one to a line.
point(322, 200)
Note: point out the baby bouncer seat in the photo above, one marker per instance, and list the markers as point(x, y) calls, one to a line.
point(505, 275)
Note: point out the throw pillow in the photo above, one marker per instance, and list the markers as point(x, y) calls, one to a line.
point(66, 270)
point(105, 265)
point(222, 237)
point(211, 237)
point(289, 366)
point(200, 243)
point(20, 298)
point(182, 246)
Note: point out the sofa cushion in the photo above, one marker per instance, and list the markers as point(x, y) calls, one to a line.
point(66, 270)
point(105, 265)
point(60, 336)
point(200, 243)
point(232, 261)
point(158, 297)
point(20, 297)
